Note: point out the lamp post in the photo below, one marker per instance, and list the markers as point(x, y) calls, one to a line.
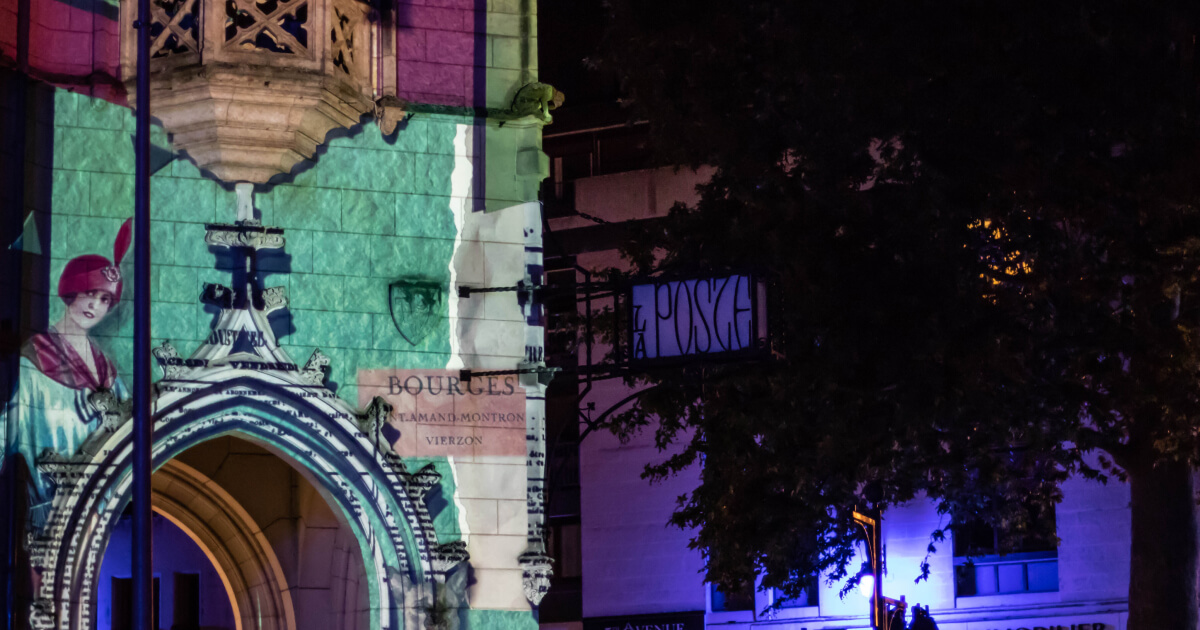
point(143, 579)
point(872, 525)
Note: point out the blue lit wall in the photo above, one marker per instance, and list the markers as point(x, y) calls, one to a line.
point(174, 552)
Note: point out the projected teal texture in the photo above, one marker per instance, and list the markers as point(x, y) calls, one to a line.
point(366, 212)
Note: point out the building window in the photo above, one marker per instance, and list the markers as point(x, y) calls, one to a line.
point(744, 598)
point(564, 544)
point(808, 597)
point(983, 566)
point(732, 601)
point(122, 603)
point(187, 602)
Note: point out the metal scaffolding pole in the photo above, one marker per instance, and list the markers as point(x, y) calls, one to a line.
point(143, 580)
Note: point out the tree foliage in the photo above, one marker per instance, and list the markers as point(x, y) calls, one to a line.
point(979, 221)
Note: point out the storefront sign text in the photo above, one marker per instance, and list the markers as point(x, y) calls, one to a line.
point(664, 621)
point(1074, 626)
point(694, 317)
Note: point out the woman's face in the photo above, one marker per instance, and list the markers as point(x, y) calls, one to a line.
point(89, 307)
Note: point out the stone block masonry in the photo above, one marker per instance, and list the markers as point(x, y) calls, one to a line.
point(352, 225)
point(465, 53)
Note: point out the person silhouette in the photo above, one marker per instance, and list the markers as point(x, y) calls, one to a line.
point(921, 620)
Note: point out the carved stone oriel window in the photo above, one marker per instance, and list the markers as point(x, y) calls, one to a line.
point(250, 87)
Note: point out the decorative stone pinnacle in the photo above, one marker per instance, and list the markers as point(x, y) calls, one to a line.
point(423, 481)
point(313, 372)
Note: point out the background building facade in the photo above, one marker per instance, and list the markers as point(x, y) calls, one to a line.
point(637, 571)
point(327, 177)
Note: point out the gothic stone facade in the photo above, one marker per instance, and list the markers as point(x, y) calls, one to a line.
point(328, 175)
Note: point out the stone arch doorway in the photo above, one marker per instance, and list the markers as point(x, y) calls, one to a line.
point(189, 591)
point(304, 553)
point(284, 558)
point(233, 542)
point(245, 560)
point(308, 427)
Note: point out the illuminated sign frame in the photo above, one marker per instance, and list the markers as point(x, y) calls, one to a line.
point(726, 317)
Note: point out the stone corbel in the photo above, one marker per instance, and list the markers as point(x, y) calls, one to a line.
point(536, 570)
point(389, 111)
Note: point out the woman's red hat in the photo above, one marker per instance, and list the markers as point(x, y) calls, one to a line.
point(93, 272)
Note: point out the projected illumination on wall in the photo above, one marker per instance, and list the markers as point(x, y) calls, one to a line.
point(436, 414)
point(188, 589)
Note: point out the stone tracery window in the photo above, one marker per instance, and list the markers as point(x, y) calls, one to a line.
point(341, 39)
point(174, 27)
point(279, 26)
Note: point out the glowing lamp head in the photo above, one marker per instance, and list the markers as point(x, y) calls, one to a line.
point(866, 585)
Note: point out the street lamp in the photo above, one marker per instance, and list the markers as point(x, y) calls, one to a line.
point(866, 585)
point(870, 579)
point(872, 526)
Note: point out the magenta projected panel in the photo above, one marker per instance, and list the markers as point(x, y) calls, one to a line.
point(436, 414)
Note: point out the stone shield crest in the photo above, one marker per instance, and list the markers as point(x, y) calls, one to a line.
point(417, 308)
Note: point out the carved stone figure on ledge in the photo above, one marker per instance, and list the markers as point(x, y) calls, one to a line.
point(537, 100)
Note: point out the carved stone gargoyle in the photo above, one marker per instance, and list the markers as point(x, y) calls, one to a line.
point(537, 100)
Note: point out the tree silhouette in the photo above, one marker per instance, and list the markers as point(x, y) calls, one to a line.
point(979, 222)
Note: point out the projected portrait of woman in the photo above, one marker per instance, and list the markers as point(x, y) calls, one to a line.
point(63, 365)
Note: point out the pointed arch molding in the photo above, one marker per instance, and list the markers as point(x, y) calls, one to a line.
point(285, 410)
point(245, 560)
